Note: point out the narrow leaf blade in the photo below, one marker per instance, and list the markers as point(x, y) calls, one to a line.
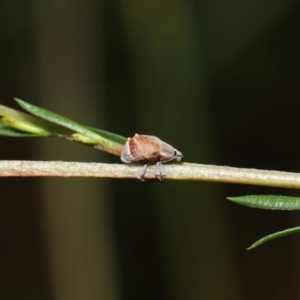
point(274, 236)
point(10, 132)
point(268, 202)
point(56, 118)
point(111, 136)
point(111, 145)
point(28, 123)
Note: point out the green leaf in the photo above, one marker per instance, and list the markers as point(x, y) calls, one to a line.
point(49, 123)
point(102, 140)
point(10, 132)
point(25, 126)
point(268, 202)
point(274, 236)
point(57, 119)
point(28, 124)
point(78, 137)
point(111, 136)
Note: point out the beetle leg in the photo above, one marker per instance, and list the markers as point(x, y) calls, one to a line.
point(160, 171)
point(141, 172)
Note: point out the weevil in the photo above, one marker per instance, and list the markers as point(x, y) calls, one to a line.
point(148, 149)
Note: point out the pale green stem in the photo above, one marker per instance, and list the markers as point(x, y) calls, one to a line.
point(184, 171)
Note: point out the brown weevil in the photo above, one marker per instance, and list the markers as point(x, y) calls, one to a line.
point(148, 149)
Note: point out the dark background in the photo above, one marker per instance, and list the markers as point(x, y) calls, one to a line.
point(218, 80)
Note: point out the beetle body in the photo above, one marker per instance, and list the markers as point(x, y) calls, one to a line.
point(148, 149)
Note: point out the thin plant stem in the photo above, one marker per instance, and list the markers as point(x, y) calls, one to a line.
point(180, 171)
